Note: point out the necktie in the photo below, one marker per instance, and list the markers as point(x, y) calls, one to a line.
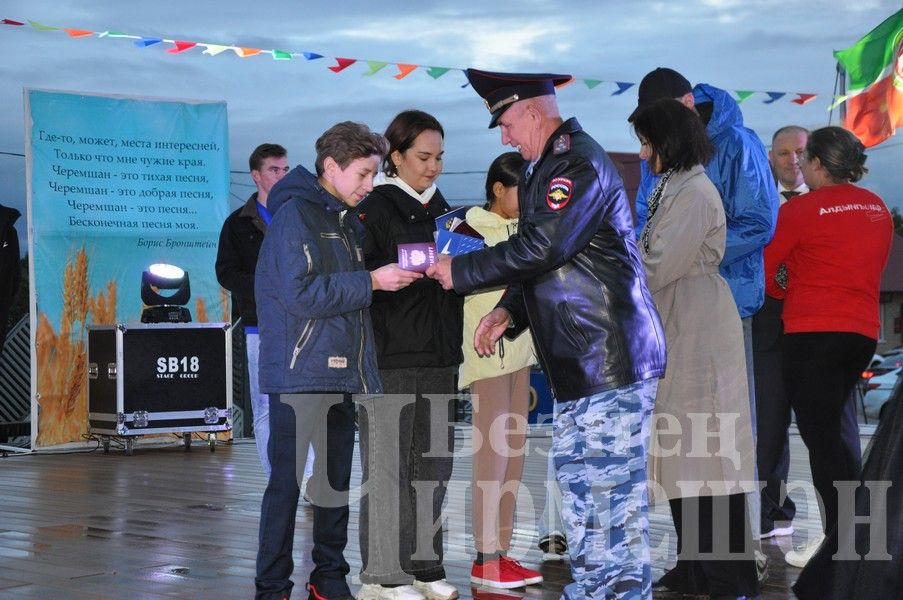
point(789, 194)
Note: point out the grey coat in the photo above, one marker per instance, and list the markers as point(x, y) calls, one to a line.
point(706, 373)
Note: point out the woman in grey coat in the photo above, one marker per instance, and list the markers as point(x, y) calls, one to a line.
point(701, 454)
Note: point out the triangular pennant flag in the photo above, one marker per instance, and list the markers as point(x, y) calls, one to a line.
point(623, 86)
point(78, 32)
point(246, 52)
point(591, 83)
point(11, 22)
point(803, 98)
point(742, 95)
point(838, 100)
point(214, 49)
point(342, 64)
point(404, 71)
point(117, 34)
point(375, 66)
point(311, 55)
point(437, 72)
point(40, 27)
point(181, 47)
point(281, 55)
point(145, 42)
point(774, 97)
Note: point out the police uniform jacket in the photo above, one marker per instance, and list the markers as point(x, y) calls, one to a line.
point(574, 272)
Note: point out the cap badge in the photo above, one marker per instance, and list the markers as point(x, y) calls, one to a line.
point(559, 192)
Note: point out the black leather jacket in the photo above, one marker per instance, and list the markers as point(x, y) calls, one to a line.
point(574, 272)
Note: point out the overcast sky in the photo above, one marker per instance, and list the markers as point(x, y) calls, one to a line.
point(761, 45)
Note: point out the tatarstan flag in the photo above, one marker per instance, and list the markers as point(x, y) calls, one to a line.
point(874, 66)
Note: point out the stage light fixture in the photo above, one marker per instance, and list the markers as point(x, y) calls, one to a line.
point(165, 308)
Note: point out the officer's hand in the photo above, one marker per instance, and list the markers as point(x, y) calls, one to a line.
point(392, 278)
point(441, 271)
point(490, 329)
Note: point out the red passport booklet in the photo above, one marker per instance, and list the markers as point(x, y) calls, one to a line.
point(416, 257)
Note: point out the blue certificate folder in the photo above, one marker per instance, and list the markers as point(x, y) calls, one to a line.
point(451, 238)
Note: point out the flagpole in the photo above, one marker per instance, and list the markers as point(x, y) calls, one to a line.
point(840, 88)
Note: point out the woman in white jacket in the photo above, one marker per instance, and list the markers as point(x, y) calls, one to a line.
point(500, 385)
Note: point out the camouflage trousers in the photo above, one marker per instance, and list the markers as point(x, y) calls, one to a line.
point(599, 447)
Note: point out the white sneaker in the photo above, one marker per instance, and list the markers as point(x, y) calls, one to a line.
point(799, 558)
point(436, 590)
point(374, 591)
point(776, 532)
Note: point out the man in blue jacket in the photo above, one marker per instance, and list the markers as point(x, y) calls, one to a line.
point(741, 173)
point(316, 350)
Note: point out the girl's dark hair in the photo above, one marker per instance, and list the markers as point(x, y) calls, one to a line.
point(347, 141)
point(505, 169)
point(675, 134)
point(839, 152)
point(402, 132)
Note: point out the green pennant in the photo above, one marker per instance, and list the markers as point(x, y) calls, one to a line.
point(437, 72)
point(40, 27)
point(742, 95)
point(591, 83)
point(281, 55)
point(375, 67)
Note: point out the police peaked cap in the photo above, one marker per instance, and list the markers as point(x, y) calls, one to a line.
point(501, 90)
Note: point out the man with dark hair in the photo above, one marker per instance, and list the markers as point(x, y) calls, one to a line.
point(316, 350)
point(741, 174)
point(574, 276)
point(236, 259)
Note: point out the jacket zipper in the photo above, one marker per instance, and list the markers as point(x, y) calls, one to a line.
point(302, 341)
point(309, 260)
point(360, 352)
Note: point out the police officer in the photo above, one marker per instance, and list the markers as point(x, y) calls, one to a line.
point(575, 277)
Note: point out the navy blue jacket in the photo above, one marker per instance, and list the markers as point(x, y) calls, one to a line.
point(740, 171)
point(312, 294)
point(578, 280)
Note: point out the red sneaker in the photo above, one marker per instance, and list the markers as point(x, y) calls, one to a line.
point(497, 574)
point(529, 575)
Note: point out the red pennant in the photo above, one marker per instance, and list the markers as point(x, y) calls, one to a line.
point(11, 22)
point(342, 64)
point(803, 98)
point(181, 47)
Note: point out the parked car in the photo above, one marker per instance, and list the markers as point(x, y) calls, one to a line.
point(878, 383)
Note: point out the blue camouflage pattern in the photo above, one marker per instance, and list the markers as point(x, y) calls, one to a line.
point(599, 446)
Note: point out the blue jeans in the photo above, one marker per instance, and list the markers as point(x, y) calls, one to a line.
point(600, 443)
point(296, 421)
point(260, 407)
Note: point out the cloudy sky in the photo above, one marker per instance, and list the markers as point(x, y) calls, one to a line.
point(764, 45)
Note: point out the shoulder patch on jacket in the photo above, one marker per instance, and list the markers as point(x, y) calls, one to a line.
point(561, 144)
point(559, 192)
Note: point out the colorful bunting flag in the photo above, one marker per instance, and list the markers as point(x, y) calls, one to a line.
point(181, 47)
point(375, 66)
point(803, 98)
point(874, 66)
point(437, 72)
point(342, 64)
point(404, 71)
point(623, 86)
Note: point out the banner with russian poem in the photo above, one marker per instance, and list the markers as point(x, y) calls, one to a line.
point(115, 183)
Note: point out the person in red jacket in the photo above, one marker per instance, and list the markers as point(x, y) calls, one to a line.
point(825, 261)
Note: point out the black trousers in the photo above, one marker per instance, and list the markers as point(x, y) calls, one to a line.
point(820, 370)
point(710, 563)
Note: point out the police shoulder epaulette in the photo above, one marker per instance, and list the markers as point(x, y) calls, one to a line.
point(562, 144)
